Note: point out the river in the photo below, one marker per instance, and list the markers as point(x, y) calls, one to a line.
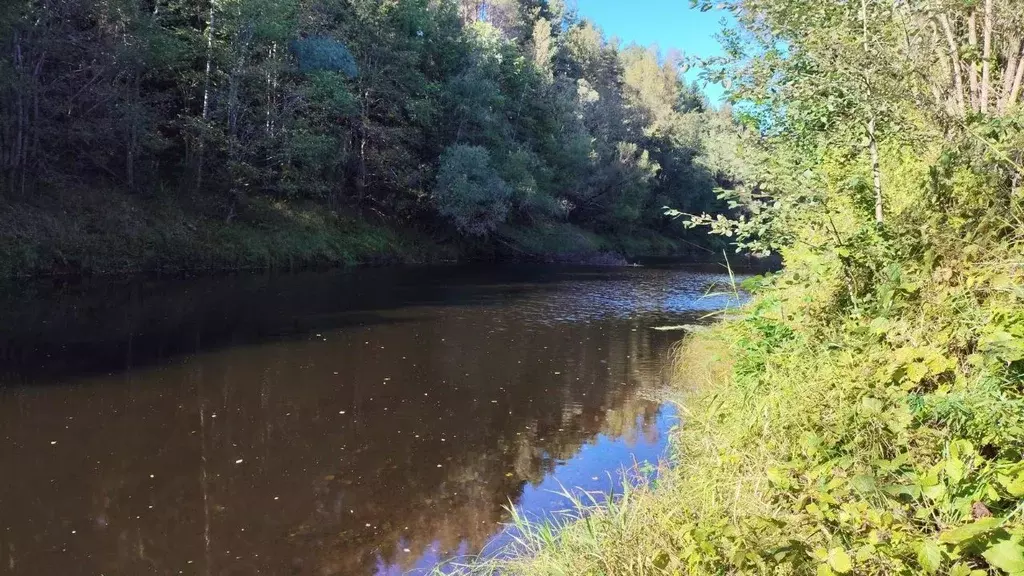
point(352, 423)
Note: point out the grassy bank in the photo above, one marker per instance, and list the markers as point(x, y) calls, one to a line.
point(94, 232)
point(820, 436)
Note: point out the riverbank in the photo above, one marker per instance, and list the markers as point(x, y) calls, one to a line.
point(882, 438)
point(112, 234)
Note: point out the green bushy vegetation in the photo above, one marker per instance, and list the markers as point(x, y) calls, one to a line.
point(864, 412)
point(149, 235)
point(447, 119)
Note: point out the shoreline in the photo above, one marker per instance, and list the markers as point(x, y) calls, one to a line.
point(807, 437)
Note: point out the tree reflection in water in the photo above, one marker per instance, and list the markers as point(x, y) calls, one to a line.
point(387, 444)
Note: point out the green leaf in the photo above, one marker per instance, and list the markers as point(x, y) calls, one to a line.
point(968, 531)
point(1007, 555)
point(960, 569)
point(1003, 345)
point(916, 372)
point(871, 405)
point(863, 483)
point(839, 560)
point(1013, 484)
point(778, 478)
point(955, 470)
point(929, 555)
point(934, 492)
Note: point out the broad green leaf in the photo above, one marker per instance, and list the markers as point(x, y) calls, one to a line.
point(778, 478)
point(839, 560)
point(871, 405)
point(1007, 555)
point(961, 449)
point(934, 492)
point(968, 531)
point(955, 470)
point(929, 555)
point(1013, 484)
point(863, 483)
point(916, 372)
point(960, 569)
point(1003, 345)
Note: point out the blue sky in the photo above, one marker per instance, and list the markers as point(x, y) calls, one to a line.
point(667, 23)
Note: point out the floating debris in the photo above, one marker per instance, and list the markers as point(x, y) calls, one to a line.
point(680, 327)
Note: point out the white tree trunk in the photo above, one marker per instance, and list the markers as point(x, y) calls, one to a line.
point(986, 57)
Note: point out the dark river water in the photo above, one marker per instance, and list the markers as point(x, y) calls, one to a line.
point(350, 423)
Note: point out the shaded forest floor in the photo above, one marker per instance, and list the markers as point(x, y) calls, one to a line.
point(103, 232)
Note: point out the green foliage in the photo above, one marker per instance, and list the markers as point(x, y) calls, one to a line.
point(352, 105)
point(323, 54)
point(470, 192)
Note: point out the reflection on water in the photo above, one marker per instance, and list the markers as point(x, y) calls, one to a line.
point(341, 423)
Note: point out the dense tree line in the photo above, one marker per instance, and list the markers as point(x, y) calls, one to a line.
point(485, 113)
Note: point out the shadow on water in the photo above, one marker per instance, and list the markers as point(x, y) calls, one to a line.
point(49, 332)
point(321, 423)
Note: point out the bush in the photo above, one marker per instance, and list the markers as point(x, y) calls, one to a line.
point(470, 192)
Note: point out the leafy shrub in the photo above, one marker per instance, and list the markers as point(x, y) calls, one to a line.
point(470, 192)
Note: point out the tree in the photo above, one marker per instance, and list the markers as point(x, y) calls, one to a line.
point(470, 192)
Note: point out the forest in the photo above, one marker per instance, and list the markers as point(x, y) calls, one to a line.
point(189, 134)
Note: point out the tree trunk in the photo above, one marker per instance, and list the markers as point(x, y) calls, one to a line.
point(986, 57)
point(200, 145)
point(133, 129)
point(364, 121)
point(1012, 59)
point(872, 145)
point(37, 86)
point(271, 89)
point(876, 171)
point(1011, 99)
point(17, 149)
point(957, 71)
point(972, 39)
